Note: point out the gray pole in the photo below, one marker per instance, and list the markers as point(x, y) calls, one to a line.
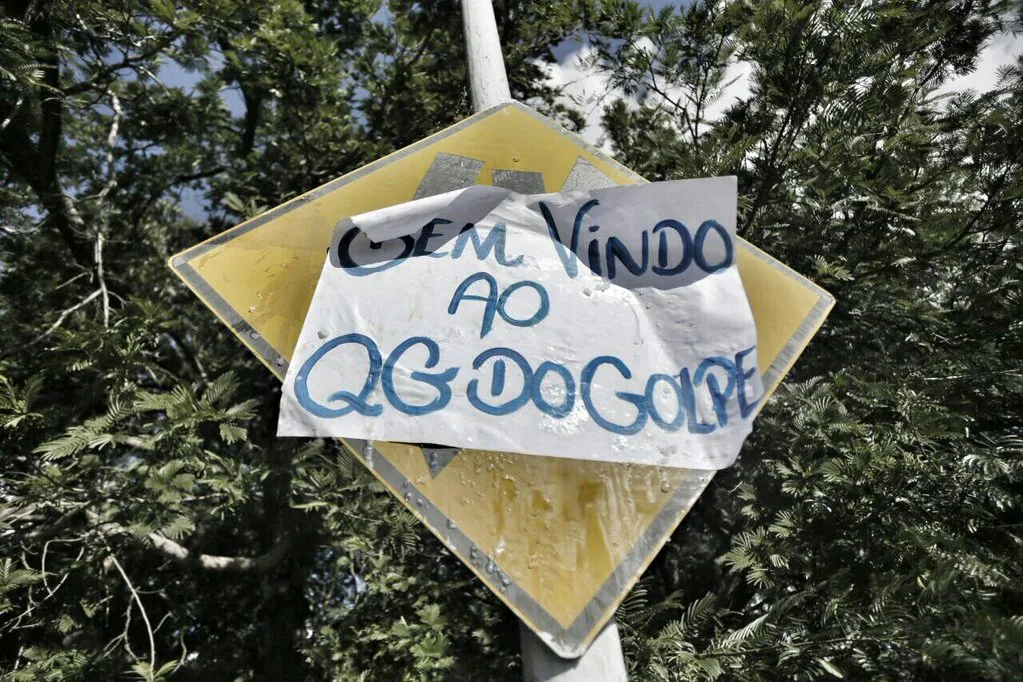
point(488, 82)
point(487, 78)
point(602, 662)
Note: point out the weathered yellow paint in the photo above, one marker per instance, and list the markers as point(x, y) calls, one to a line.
point(779, 306)
point(557, 528)
point(268, 274)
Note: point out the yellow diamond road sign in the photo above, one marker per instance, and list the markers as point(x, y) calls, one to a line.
point(560, 541)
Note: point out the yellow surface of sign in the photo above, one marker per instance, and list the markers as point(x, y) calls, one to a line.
point(560, 541)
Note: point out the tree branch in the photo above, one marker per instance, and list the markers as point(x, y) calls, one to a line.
point(208, 562)
point(115, 122)
point(253, 110)
point(145, 617)
point(105, 76)
point(29, 163)
point(49, 330)
point(105, 295)
point(222, 564)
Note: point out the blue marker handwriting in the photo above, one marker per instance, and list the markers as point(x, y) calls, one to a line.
point(694, 249)
point(667, 249)
point(700, 399)
point(494, 243)
point(499, 304)
point(723, 379)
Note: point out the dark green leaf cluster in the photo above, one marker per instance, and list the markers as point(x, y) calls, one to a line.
point(151, 525)
point(872, 528)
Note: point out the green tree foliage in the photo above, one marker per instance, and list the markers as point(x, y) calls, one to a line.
point(152, 527)
point(872, 529)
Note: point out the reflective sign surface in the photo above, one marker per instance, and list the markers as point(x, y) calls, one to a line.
point(559, 541)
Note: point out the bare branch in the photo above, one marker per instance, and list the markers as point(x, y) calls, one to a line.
point(14, 112)
point(974, 375)
point(69, 281)
point(98, 255)
point(222, 564)
point(208, 562)
point(30, 165)
point(115, 123)
point(108, 73)
point(110, 184)
point(53, 327)
point(50, 591)
point(142, 610)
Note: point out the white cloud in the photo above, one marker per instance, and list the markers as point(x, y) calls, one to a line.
point(588, 89)
point(737, 89)
point(1003, 50)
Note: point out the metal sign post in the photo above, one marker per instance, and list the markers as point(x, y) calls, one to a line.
point(602, 662)
point(488, 82)
point(487, 78)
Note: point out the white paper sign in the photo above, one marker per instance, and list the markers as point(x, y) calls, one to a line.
point(608, 325)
